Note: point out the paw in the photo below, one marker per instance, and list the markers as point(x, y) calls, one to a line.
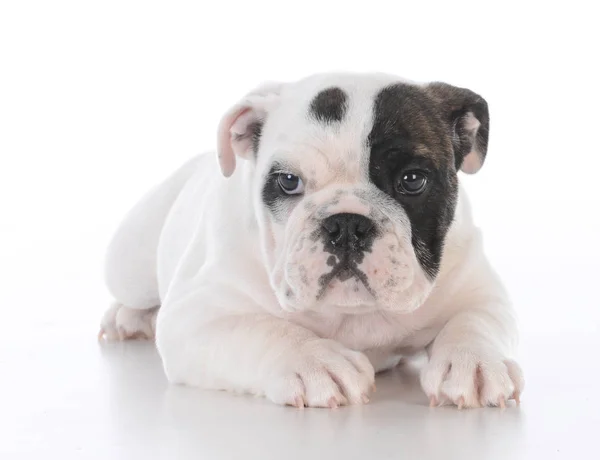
point(322, 373)
point(123, 323)
point(469, 377)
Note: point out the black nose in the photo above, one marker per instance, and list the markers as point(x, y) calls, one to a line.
point(349, 231)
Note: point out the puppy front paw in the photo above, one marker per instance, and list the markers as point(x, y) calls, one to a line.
point(468, 377)
point(322, 373)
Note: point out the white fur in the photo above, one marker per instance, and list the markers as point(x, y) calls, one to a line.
point(220, 266)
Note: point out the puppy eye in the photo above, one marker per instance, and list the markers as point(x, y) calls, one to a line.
point(412, 182)
point(290, 184)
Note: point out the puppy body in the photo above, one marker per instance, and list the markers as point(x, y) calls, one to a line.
point(254, 297)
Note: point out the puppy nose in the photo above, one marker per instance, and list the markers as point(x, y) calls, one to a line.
point(349, 231)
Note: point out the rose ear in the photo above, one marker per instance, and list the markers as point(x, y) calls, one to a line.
point(240, 128)
point(468, 117)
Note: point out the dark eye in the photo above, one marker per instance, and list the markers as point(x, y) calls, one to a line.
point(412, 182)
point(290, 184)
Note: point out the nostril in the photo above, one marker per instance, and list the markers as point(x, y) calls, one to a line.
point(331, 227)
point(334, 228)
point(364, 227)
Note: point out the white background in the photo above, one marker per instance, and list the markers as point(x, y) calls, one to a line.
point(99, 100)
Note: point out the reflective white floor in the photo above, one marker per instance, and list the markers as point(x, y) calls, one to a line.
point(66, 396)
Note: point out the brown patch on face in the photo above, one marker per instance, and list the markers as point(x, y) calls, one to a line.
point(413, 117)
point(409, 133)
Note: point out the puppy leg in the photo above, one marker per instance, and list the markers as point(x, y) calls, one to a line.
point(259, 354)
point(469, 363)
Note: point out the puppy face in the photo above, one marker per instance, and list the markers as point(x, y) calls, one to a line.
point(356, 186)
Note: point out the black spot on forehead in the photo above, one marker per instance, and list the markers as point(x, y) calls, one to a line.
point(329, 105)
point(406, 119)
point(256, 129)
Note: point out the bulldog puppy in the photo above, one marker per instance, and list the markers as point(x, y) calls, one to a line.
point(327, 239)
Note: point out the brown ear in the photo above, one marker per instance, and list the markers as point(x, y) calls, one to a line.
point(240, 127)
point(468, 116)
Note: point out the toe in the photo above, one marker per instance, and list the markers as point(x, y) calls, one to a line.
point(321, 390)
point(497, 386)
point(460, 386)
point(516, 375)
point(432, 377)
point(287, 391)
point(433, 401)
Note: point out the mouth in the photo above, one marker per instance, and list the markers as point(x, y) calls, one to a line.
point(343, 271)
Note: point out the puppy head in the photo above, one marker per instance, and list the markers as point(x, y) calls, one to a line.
point(355, 184)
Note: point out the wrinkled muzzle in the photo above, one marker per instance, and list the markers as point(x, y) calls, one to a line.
point(346, 253)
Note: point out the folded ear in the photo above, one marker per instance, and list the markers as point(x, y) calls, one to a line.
point(240, 128)
point(468, 116)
